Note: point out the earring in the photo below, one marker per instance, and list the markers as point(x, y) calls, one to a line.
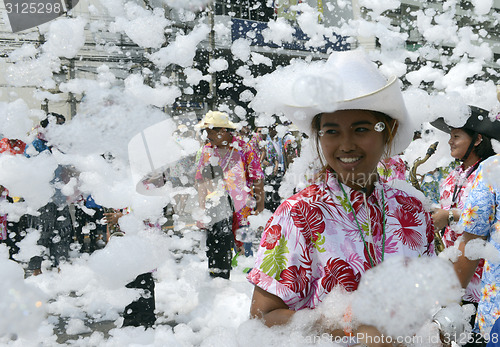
point(321, 133)
point(379, 127)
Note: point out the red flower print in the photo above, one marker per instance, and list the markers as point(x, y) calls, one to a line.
point(338, 272)
point(271, 236)
point(408, 232)
point(309, 219)
point(295, 278)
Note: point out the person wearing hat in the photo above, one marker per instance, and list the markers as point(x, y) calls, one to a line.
point(348, 221)
point(470, 144)
point(230, 184)
point(480, 220)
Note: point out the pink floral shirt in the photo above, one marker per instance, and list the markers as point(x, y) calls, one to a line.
point(3, 224)
point(241, 167)
point(463, 178)
point(393, 168)
point(312, 242)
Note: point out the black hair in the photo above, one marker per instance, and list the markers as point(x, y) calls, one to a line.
point(484, 149)
point(60, 119)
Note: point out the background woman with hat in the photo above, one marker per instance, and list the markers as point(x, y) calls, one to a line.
point(347, 222)
point(470, 144)
point(228, 168)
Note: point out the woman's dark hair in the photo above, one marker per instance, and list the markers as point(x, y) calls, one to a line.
point(484, 149)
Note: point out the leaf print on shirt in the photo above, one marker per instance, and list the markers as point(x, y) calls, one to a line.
point(408, 233)
point(338, 272)
point(409, 203)
point(295, 278)
point(275, 260)
point(348, 249)
point(309, 220)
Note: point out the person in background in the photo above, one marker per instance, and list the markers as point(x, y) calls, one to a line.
point(54, 222)
point(470, 144)
point(10, 232)
point(90, 231)
point(273, 165)
point(230, 184)
point(330, 233)
point(480, 220)
point(181, 174)
point(141, 311)
point(291, 145)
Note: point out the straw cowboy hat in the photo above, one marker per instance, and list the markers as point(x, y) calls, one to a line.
point(216, 119)
point(360, 86)
point(478, 121)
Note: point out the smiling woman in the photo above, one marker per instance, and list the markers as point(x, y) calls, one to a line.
point(347, 222)
point(352, 143)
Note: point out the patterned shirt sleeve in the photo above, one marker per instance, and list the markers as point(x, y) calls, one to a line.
point(478, 214)
point(280, 268)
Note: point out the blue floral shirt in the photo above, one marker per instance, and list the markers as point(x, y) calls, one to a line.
point(481, 216)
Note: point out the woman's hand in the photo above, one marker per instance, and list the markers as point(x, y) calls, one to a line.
point(440, 218)
point(112, 217)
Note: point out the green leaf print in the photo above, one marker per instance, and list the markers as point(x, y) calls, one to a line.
point(345, 204)
point(275, 259)
point(320, 242)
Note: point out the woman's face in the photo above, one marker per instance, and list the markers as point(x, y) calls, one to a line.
point(219, 137)
point(351, 146)
point(459, 143)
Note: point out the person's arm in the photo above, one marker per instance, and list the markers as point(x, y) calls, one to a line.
point(465, 267)
point(202, 193)
point(260, 195)
point(273, 311)
point(440, 217)
point(270, 308)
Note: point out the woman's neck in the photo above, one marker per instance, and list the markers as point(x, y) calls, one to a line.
point(365, 187)
point(471, 160)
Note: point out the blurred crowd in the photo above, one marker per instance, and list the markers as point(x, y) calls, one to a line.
point(236, 173)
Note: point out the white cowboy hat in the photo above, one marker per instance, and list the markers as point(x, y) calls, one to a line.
point(354, 82)
point(216, 119)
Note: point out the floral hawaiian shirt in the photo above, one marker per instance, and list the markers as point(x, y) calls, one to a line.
point(432, 180)
point(456, 179)
point(241, 167)
point(393, 168)
point(3, 225)
point(12, 146)
point(481, 216)
point(312, 243)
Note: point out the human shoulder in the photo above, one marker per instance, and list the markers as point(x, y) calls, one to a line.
point(313, 193)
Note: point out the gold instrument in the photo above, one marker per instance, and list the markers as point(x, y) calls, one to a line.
point(438, 239)
point(413, 172)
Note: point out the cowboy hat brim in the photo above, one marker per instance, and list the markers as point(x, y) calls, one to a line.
point(387, 100)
